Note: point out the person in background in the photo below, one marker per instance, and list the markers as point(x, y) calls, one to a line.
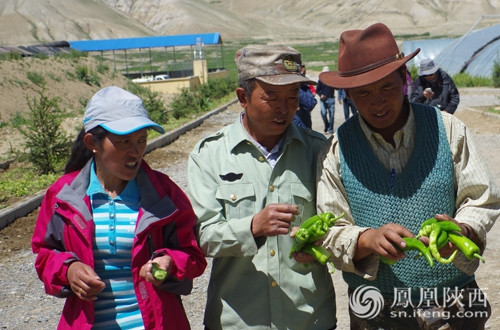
point(249, 184)
point(346, 103)
point(103, 224)
point(327, 103)
point(307, 102)
point(435, 87)
point(389, 169)
point(303, 72)
point(408, 88)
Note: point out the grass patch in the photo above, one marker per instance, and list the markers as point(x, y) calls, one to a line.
point(21, 181)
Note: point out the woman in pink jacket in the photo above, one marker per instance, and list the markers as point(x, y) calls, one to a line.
point(105, 222)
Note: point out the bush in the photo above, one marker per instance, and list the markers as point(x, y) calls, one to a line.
point(202, 97)
point(36, 78)
point(90, 78)
point(153, 103)
point(496, 74)
point(185, 103)
point(466, 80)
point(48, 145)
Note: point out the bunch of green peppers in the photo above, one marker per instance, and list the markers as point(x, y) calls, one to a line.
point(311, 230)
point(440, 232)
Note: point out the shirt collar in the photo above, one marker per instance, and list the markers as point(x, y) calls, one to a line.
point(130, 192)
point(402, 136)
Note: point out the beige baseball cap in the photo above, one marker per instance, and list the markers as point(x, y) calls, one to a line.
point(272, 64)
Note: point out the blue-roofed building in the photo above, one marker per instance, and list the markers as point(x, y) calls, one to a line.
point(157, 56)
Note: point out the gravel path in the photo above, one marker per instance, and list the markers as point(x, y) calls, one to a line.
point(24, 304)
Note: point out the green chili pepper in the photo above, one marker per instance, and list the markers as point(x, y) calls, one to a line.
point(301, 238)
point(317, 231)
point(466, 245)
point(412, 243)
point(449, 226)
point(425, 227)
point(428, 222)
point(318, 252)
point(313, 229)
point(442, 239)
point(329, 218)
point(388, 261)
point(158, 273)
point(433, 245)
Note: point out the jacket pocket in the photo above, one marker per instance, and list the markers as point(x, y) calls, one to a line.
point(303, 195)
point(237, 199)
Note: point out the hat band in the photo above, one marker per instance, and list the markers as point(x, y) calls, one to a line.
point(372, 66)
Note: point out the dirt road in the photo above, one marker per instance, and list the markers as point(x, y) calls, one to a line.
point(24, 305)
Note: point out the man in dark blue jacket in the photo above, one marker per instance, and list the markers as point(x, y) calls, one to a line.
point(307, 102)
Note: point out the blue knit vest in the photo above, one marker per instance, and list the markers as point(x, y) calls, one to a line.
point(424, 187)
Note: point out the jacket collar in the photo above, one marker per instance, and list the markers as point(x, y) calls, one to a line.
point(237, 134)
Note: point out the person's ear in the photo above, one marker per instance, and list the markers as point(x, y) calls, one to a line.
point(242, 96)
point(90, 142)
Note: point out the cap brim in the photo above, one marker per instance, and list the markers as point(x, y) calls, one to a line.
point(130, 125)
point(285, 79)
point(333, 79)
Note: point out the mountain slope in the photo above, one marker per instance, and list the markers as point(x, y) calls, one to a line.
point(25, 22)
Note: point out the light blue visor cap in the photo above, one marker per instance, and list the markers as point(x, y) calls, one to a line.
point(117, 111)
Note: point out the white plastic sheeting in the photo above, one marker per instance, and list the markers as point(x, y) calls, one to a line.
point(475, 53)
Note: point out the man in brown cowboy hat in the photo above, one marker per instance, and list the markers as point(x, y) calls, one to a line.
point(389, 168)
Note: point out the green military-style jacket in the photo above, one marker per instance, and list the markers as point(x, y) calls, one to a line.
point(254, 283)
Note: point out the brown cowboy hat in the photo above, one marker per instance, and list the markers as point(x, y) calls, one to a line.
point(365, 56)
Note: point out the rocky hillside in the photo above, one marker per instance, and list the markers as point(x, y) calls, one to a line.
point(28, 22)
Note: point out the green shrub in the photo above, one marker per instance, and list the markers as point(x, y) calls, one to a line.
point(218, 88)
point(153, 102)
point(185, 103)
point(36, 78)
point(18, 120)
point(466, 80)
point(82, 74)
point(48, 144)
point(102, 68)
point(496, 74)
point(12, 56)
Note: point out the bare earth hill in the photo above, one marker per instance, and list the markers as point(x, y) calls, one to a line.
point(28, 22)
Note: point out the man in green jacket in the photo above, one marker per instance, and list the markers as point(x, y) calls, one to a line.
point(249, 184)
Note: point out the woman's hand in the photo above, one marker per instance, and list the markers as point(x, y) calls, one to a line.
point(165, 262)
point(84, 281)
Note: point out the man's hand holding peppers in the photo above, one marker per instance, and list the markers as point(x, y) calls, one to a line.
point(465, 230)
point(383, 241)
point(391, 240)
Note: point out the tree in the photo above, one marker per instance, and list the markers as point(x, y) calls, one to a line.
point(48, 144)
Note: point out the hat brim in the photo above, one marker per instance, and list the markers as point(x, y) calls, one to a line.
point(429, 71)
point(285, 79)
point(333, 79)
point(130, 125)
